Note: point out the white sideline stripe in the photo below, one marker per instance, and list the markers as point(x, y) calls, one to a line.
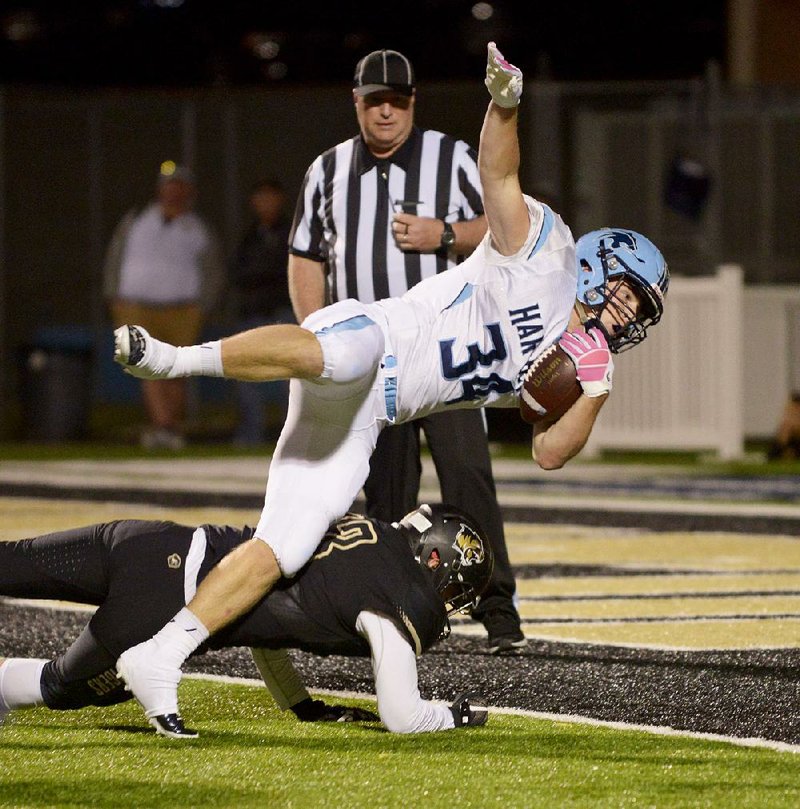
point(42, 604)
point(575, 719)
point(657, 730)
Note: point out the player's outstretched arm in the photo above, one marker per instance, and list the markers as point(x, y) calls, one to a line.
point(281, 678)
point(401, 708)
point(499, 156)
point(286, 687)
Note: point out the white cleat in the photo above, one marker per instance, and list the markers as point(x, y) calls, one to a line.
point(142, 355)
point(154, 684)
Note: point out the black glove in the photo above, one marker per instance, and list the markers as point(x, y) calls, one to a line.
point(315, 710)
point(467, 715)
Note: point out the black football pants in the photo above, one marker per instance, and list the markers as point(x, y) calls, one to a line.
point(128, 568)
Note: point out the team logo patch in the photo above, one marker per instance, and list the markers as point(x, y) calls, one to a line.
point(621, 239)
point(469, 546)
point(174, 561)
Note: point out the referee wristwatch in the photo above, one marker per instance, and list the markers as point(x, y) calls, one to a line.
point(448, 236)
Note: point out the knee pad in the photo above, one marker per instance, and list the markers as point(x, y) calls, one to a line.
point(351, 349)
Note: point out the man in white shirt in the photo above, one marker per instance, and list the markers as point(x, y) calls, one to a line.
point(164, 268)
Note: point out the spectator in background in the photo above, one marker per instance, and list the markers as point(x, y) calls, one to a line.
point(164, 266)
point(259, 296)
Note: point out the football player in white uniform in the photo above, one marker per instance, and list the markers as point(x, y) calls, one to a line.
point(464, 338)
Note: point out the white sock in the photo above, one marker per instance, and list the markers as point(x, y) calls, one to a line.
point(202, 360)
point(21, 683)
point(180, 637)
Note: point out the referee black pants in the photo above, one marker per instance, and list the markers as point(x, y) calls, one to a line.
point(460, 450)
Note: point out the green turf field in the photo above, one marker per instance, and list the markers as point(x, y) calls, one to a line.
point(250, 754)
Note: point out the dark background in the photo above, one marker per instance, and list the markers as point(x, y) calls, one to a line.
point(93, 95)
point(218, 42)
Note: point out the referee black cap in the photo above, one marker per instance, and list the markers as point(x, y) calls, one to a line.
point(384, 70)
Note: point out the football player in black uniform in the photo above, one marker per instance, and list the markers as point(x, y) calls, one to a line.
point(371, 589)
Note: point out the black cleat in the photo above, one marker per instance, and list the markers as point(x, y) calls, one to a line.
point(507, 644)
point(142, 355)
point(135, 345)
point(505, 633)
point(129, 345)
point(171, 725)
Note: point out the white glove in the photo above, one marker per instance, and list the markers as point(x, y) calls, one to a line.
point(503, 79)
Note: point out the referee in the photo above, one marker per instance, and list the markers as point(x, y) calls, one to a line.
point(377, 214)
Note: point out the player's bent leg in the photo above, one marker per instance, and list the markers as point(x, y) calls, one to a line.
point(265, 354)
point(341, 343)
point(270, 353)
point(152, 670)
point(322, 457)
point(154, 683)
point(237, 583)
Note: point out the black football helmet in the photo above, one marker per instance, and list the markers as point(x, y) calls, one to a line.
point(449, 544)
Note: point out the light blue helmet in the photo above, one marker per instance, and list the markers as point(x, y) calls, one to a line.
point(610, 256)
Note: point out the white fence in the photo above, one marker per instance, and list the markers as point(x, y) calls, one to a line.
point(718, 367)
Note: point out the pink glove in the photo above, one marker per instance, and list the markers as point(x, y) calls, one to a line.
point(592, 357)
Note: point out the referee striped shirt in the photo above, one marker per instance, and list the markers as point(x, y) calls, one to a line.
point(344, 211)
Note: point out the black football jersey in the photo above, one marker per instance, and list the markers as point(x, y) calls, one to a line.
point(360, 564)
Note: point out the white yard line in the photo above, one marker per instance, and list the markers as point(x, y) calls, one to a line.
point(570, 718)
point(658, 730)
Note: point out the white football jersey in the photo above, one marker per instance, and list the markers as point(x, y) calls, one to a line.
point(465, 338)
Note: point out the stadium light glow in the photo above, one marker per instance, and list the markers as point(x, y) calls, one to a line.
point(482, 11)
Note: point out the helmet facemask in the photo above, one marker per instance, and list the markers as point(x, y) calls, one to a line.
point(616, 272)
point(447, 544)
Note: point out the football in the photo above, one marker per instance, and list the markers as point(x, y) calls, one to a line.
point(550, 387)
